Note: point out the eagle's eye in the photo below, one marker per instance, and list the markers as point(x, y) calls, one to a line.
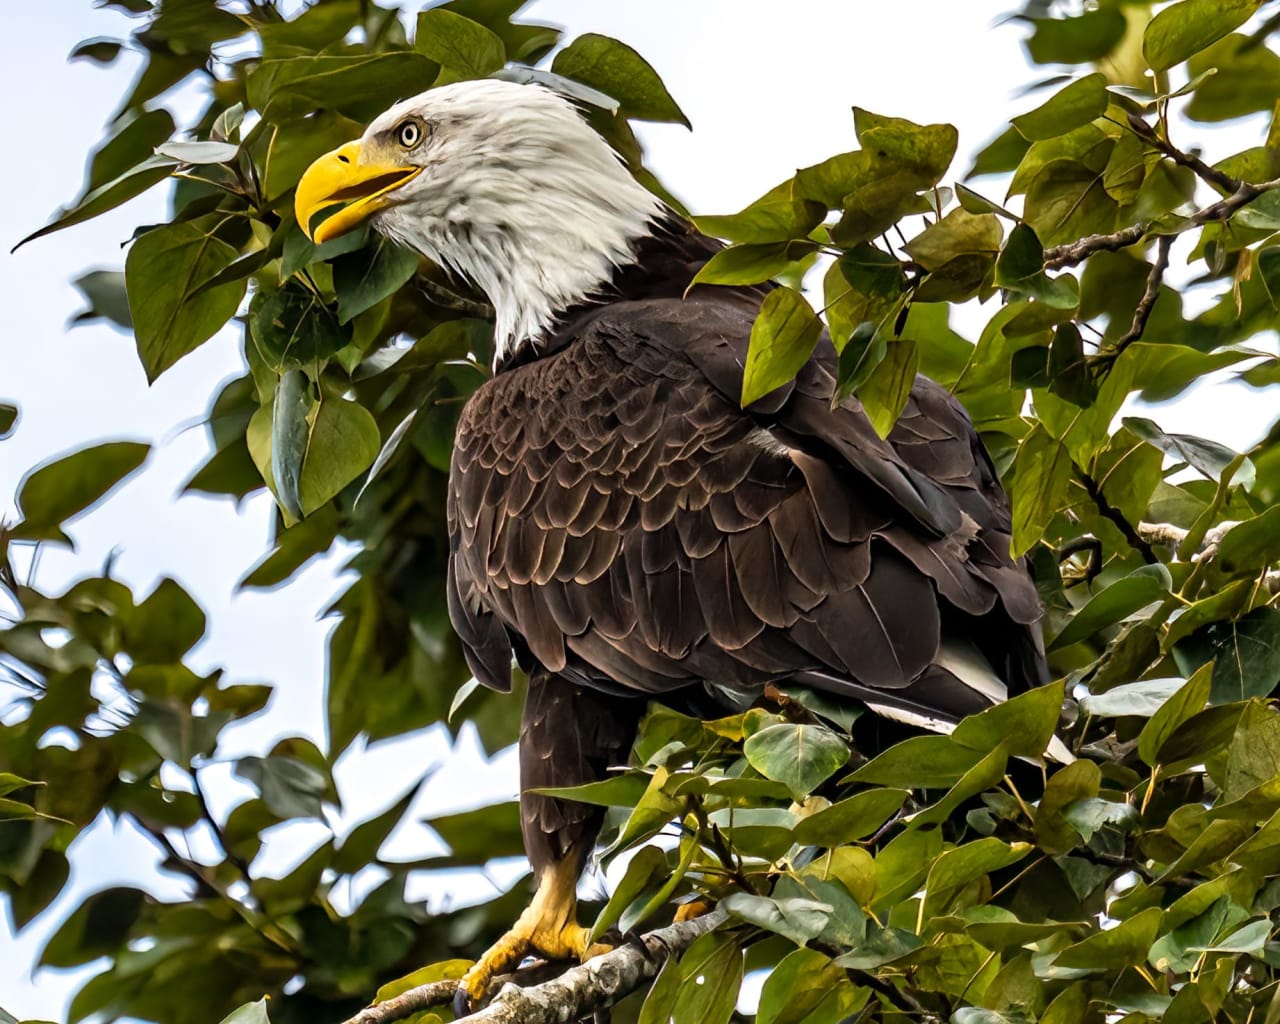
point(409, 132)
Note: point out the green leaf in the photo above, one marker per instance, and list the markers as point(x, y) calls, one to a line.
point(799, 920)
point(1075, 105)
point(361, 845)
point(1145, 585)
point(799, 756)
point(96, 928)
point(922, 761)
point(8, 419)
point(865, 285)
point(751, 264)
point(1066, 200)
point(711, 974)
point(882, 946)
point(885, 392)
point(165, 273)
point(295, 546)
point(1077, 781)
point(249, 1013)
point(290, 788)
point(445, 970)
point(1079, 40)
point(206, 152)
point(1189, 26)
point(1252, 544)
point(1041, 477)
point(621, 73)
point(999, 156)
point(645, 870)
point(777, 216)
point(462, 46)
point(57, 491)
point(1209, 457)
point(959, 233)
point(1142, 699)
point(956, 868)
point(851, 819)
point(1187, 701)
point(806, 986)
point(782, 339)
point(364, 278)
point(289, 431)
point(1246, 656)
point(1127, 943)
point(1254, 757)
point(293, 328)
point(1023, 724)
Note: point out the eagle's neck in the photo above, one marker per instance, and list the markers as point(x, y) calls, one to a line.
point(661, 263)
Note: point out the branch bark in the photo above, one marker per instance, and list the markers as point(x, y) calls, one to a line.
point(1173, 536)
point(578, 992)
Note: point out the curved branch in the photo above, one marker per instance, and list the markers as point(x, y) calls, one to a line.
point(579, 992)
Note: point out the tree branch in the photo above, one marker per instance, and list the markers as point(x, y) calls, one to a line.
point(1071, 253)
point(1132, 535)
point(1174, 536)
point(578, 992)
point(1215, 177)
point(1143, 311)
point(1068, 255)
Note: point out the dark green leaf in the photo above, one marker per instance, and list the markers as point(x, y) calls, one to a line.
point(1145, 585)
point(799, 756)
point(364, 278)
point(1075, 105)
point(1189, 26)
point(58, 491)
point(621, 73)
point(799, 920)
point(165, 273)
point(1041, 476)
point(851, 819)
point(458, 44)
point(1187, 701)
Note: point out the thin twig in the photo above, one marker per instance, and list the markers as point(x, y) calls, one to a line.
point(579, 992)
point(1143, 311)
point(1215, 177)
point(1068, 255)
point(1131, 534)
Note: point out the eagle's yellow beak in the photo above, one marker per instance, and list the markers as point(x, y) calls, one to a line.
point(339, 177)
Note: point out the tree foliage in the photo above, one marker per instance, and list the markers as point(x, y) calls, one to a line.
point(935, 877)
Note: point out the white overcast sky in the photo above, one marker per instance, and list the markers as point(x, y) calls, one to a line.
point(768, 87)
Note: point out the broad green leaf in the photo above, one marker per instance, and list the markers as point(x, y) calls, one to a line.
point(361, 844)
point(1067, 200)
point(1189, 26)
point(902, 864)
point(290, 788)
point(1254, 756)
point(799, 920)
point(1024, 724)
point(1087, 37)
point(779, 215)
point(981, 777)
point(293, 328)
point(1001, 155)
point(711, 974)
point(851, 819)
point(1126, 943)
point(289, 436)
point(1075, 105)
point(807, 987)
point(1142, 699)
point(1252, 544)
point(782, 339)
point(1187, 701)
point(885, 392)
point(751, 264)
point(644, 871)
point(619, 72)
point(922, 761)
point(1209, 457)
point(95, 928)
point(956, 868)
point(1145, 585)
point(359, 86)
point(864, 285)
point(206, 152)
point(799, 756)
point(882, 946)
point(295, 546)
point(165, 273)
point(56, 492)
point(1075, 782)
point(365, 277)
point(458, 44)
point(8, 419)
point(1041, 475)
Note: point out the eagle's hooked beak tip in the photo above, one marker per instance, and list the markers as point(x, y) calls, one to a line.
point(338, 178)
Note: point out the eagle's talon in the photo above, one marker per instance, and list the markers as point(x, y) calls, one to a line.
point(461, 1002)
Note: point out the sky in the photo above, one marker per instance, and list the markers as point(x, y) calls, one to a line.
point(768, 87)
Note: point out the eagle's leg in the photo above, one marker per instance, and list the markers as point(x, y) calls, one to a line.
point(569, 735)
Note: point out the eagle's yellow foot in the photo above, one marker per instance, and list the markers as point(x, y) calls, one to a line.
point(547, 928)
point(694, 908)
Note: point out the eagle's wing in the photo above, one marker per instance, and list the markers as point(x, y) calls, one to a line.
point(617, 516)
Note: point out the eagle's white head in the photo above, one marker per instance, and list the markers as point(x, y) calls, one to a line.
point(503, 183)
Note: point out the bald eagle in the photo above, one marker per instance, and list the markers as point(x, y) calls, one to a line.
point(619, 524)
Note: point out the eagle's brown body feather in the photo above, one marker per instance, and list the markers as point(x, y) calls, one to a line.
point(625, 528)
